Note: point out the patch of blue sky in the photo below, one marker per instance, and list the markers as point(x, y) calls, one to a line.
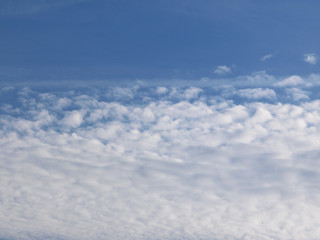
point(95, 40)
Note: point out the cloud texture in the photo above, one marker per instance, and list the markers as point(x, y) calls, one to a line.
point(222, 70)
point(159, 163)
point(311, 58)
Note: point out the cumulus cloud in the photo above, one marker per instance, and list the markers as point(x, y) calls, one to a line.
point(266, 57)
point(222, 70)
point(179, 166)
point(311, 58)
point(72, 119)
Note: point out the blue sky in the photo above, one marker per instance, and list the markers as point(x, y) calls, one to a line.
point(107, 39)
point(159, 119)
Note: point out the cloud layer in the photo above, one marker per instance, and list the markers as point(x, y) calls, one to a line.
point(160, 163)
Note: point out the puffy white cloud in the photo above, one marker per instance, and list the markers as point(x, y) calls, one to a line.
point(72, 119)
point(179, 166)
point(311, 58)
point(222, 70)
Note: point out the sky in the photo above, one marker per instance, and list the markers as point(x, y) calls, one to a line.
point(44, 40)
point(159, 120)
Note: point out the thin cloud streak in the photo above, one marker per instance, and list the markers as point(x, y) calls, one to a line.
point(266, 57)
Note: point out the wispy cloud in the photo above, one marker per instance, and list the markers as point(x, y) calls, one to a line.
point(297, 94)
point(222, 70)
point(290, 81)
point(311, 58)
point(257, 93)
point(266, 57)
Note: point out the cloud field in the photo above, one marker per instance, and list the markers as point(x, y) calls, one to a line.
point(161, 162)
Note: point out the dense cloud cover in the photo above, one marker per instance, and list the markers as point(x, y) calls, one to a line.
point(161, 162)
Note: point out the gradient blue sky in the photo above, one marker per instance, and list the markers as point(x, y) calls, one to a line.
point(118, 39)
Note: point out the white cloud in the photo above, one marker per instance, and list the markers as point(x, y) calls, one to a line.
point(222, 70)
point(257, 93)
point(178, 167)
point(311, 58)
point(297, 94)
point(192, 92)
point(260, 78)
point(72, 119)
point(266, 57)
point(161, 90)
point(290, 81)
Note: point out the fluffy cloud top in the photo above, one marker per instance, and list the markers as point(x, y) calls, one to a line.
point(164, 163)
